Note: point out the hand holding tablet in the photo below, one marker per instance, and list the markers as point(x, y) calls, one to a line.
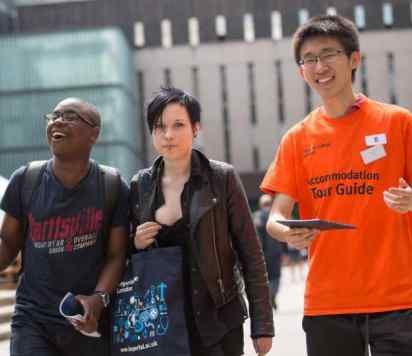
point(317, 224)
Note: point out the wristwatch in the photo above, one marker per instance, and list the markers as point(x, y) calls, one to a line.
point(104, 296)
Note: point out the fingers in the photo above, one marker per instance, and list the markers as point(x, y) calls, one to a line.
point(398, 199)
point(145, 234)
point(74, 322)
point(400, 207)
point(87, 325)
point(262, 345)
point(399, 192)
point(77, 324)
point(89, 321)
point(300, 238)
point(149, 224)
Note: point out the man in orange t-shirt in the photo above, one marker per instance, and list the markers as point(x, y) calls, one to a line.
point(348, 161)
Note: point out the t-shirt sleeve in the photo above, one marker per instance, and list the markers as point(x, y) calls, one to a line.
point(121, 212)
point(11, 202)
point(281, 174)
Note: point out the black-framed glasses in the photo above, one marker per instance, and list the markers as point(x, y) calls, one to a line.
point(325, 57)
point(67, 116)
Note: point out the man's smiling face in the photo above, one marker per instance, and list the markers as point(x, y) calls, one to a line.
point(326, 67)
point(74, 137)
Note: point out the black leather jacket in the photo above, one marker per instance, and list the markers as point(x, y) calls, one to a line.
point(222, 228)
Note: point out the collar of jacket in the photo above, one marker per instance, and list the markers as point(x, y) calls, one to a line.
point(203, 199)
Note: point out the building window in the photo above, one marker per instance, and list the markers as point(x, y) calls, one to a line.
point(193, 26)
point(220, 27)
point(364, 76)
point(279, 82)
point(195, 81)
point(166, 32)
point(391, 78)
point(360, 18)
point(167, 77)
point(11, 27)
point(331, 11)
point(303, 16)
point(248, 28)
point(308, 98)
point(139, 37)
point(256, 158)
point(252, 93)
point(276, 22)
point(225, 113)
point(387, 14)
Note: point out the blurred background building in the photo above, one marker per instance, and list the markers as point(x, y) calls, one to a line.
point(234, 55)
point(41, 69)
point(8, 16)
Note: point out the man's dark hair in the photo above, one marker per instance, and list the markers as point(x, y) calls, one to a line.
point(335, 26)
point(170, 95)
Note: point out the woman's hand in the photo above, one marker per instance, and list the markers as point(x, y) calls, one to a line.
point(145, 234)
point(262, 345)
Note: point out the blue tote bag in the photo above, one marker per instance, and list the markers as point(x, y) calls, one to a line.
point(147, 316)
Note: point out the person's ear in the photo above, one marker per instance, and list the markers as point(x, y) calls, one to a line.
point(94, 136)
point(301, 72)
point(196, 129)
point(355, 59)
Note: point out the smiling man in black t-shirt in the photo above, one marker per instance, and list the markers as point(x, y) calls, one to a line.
point(64, 247)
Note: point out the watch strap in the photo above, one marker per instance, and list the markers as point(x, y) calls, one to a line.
point(105, 297)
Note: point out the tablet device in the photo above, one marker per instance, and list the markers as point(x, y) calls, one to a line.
point(316, 224)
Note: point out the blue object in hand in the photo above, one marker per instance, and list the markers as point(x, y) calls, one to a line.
point(70, 306)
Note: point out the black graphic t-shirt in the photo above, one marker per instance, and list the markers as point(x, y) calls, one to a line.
point(64, 246)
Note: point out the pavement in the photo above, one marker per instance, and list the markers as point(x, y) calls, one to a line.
point(289, 339)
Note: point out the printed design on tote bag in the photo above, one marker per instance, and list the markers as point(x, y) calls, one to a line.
point(140, 317)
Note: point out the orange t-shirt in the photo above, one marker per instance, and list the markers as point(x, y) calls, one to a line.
point(319, 165)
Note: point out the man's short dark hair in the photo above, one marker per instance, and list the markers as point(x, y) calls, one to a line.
point(170, 95)
point(334, 26)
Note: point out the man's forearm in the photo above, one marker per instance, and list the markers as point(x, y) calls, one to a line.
point(275, 229)
point(281, 209)
point(111, 273)
point(7, 254)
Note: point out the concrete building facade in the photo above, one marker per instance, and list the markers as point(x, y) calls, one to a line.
point(236, 56)
point(264, 93)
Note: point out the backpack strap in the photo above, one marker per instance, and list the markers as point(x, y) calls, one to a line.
point(31, 180)
point(111, 178)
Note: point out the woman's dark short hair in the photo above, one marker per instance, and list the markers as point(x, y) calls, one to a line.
point(335, 26)
point(170, 95)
